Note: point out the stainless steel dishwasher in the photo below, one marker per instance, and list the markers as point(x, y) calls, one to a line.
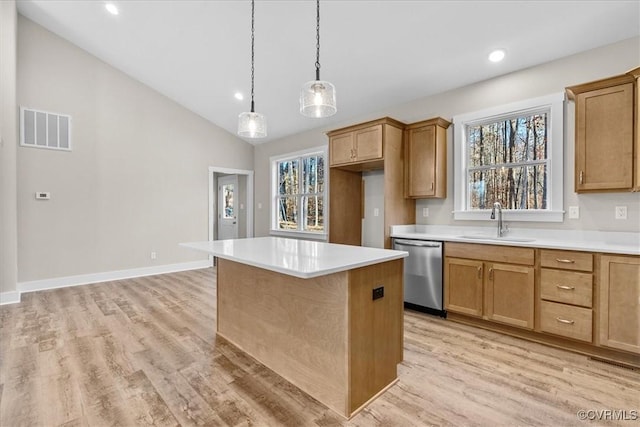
point(422, 275)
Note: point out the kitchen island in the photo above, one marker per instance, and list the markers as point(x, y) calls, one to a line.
point(328, 318)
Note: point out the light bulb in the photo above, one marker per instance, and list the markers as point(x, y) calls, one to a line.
point(317, 98)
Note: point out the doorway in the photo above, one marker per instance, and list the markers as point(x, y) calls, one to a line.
point(230, 201)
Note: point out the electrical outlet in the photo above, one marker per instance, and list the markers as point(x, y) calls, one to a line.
point(425, 212)
point(153, 255)
point(259, 205)
point(376, 212)
point(621, 212)
point(574, 212)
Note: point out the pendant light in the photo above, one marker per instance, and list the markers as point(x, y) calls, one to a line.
point(252, 124)
point(317, 97)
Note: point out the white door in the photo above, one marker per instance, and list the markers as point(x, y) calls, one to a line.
point(227, 207)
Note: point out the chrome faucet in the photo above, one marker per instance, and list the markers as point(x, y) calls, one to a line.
point(501, 230)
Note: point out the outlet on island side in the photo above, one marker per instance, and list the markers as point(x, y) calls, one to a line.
point(378, 293)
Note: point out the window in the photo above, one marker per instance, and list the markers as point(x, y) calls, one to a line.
point(298, 191)
point(512, 155)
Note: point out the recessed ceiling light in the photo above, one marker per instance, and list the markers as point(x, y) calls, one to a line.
point(497, 55)
point(238, 96)
point(111, 8)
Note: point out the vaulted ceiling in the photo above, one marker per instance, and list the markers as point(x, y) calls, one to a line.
point(377, 53)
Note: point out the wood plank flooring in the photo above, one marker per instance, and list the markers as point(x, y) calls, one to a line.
point(143, 352)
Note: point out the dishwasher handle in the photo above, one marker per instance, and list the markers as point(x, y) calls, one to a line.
point(418, 243)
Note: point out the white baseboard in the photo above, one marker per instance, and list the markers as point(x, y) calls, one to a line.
point(86, 279)
point(12, 297)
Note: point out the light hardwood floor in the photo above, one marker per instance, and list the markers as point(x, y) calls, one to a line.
point(144, 352)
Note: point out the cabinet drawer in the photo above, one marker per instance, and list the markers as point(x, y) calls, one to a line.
point(566, 320)
point(566, 260)
point(494, 253)
point(566, 286)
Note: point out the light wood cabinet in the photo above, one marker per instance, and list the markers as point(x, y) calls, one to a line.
point(355, 146)
point(375, 145)
point(581, 301)
point(463, 289)
point(509, 296)
point(605, 140)
point(566, 320)
point(619, 314)
point(500, 291)
point(566, 294)
point(426, 159)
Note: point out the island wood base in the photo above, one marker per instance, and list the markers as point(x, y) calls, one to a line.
point(326, 335)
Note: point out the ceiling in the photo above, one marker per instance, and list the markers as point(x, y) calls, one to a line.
point(377, 53)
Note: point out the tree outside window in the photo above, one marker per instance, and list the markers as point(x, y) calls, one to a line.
point(512, 154)
point(300, 193)
point(508, 162)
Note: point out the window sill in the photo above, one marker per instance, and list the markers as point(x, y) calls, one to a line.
point(299, 235)
point(515, 216)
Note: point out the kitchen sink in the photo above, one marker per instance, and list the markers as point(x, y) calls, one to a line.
point(496, 239)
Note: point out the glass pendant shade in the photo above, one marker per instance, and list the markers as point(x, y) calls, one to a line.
point(318, 99)
point(252, 125)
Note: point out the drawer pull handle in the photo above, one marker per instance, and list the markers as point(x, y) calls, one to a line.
point(566, 288)
point(565, 261)
point(568, 322)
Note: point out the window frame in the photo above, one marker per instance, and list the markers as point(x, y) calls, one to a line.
point(301, 233)
point(554, 104)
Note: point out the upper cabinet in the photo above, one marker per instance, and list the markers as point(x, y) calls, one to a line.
point(426, 159)
point(376, 145)
point(356, 146)
point(606, 134)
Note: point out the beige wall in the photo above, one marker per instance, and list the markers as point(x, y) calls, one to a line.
point(8, 138)
point(136, 180)
point(596, 210)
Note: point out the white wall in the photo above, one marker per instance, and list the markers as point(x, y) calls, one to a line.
point(8, 138)
point(136, 180)
point(596, 210)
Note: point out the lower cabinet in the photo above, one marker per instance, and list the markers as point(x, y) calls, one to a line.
point(566, 294)
point(509, 294)
point(566, 320)
point(497, 291)
point(584, 301)
point(619, 323)
point(463, 286)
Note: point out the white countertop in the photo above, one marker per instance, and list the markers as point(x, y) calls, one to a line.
point(299, 258)
point(575, 240)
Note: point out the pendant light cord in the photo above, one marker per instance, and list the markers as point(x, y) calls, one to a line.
point(317, 40)
point(252, 52)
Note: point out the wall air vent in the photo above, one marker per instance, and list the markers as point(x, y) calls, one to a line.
point(42, 129)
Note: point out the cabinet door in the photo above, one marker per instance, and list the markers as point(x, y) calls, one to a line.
point(368, 143)
point(509, 294)
point(463, 286)
point(341, 149)
point(421, 158)
point(619, 325)
point(604, 139)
